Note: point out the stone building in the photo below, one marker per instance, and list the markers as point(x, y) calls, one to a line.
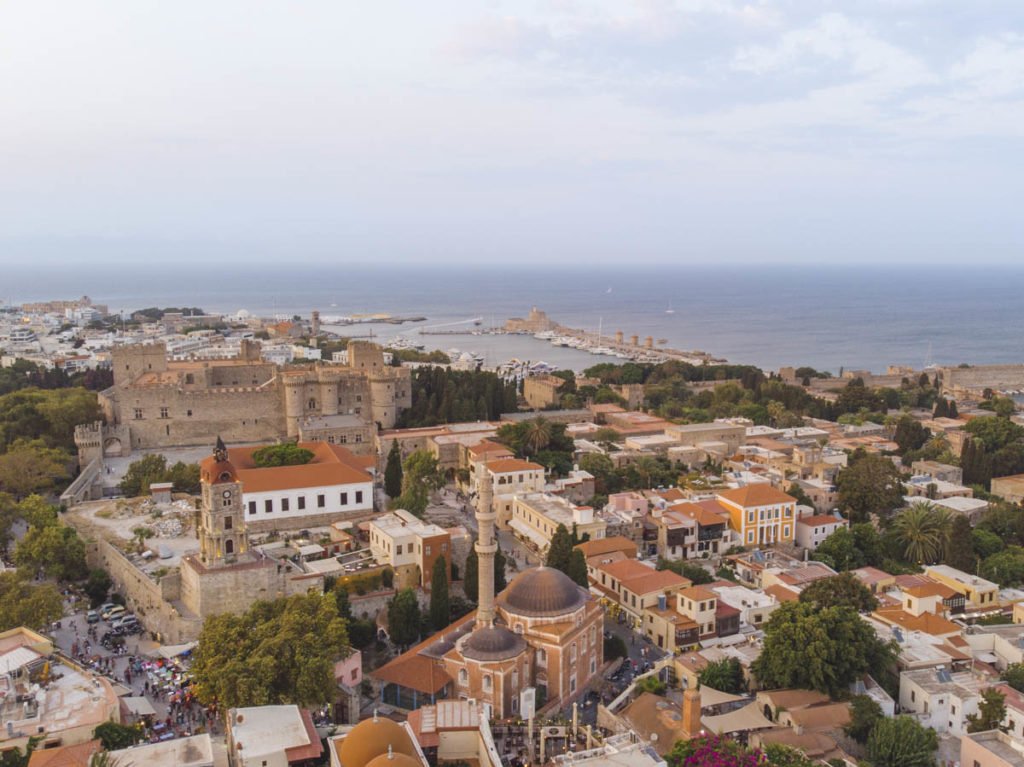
point(226, 576)
point(157, 403)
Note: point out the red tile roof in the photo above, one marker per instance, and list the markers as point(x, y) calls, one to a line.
point(758, 494)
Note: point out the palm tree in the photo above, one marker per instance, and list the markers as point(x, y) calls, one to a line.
point(646, 466)
point(537, 434)
point(923, 529)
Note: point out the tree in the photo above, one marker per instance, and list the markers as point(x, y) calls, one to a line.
point(923, 530)
point(652, 685)
point(840, 551)
point(440, 607)
point(184, 477)
point(139, 535)
point(1005, 568)
point(798, 493)
point(902, 742)
point(724, 675)
point(114, 736)
point(869, 485)
point(29, 466)
point(690, 570)
point(991, 712)
point(843, 590)
point(276, 653)
point(560, 550)
point(54, 550)
point(153, 468)
point(824, 649)
point(959, 547)
point(910, 434)
point(97, 586)
point(24, 603)
point(404, 618)
point(865, 713)
point(537, 434)
point(1014, 676)
point(284, 454)
point(578, 568)
point(713, 751)
point(393, 472)
point(420, 476)
point(470, 576)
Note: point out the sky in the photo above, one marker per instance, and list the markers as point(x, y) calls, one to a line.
point(579, 133)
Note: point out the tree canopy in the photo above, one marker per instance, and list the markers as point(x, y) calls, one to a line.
point(724, 675)
point(404, 618)
point(280, 652)
point(843, 590)
point(902, 742)
point(440, 606)
point(284, 454)
point(53, 550)
point(420, 477)
point(153, 468)
point(27, 603)
point(440, 395)
point(393, 471)
point(870, 484)
point(824, 649)
point(560, 550)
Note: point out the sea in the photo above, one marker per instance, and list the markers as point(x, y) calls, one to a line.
point(828, 317)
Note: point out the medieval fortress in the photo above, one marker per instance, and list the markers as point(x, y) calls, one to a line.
point(157, 403)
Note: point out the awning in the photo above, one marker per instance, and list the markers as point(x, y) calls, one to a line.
point(741, 720)
point(171, 650)
point(711, 697)
point(524, 529)
point(137, 706)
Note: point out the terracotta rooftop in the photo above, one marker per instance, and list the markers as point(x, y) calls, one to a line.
point(781, 593)
point(698, 513)
point(641, 579)
point(932, 589)
point(79, 755)
point(330, 465)
point(821, 519)
point(607, 545)
point(926, 623)
point(758, 494)
point(506, 465)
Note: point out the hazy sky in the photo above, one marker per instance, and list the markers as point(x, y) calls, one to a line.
point(619, 132)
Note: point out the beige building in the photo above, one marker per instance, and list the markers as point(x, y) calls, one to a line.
point(410, 546)
point(536, 517)
point(542, 392)
point(512, 478)
point(45, 697)
point(634, 587)
point(1010, 488)
point(729, 436)
point(155, 402)
point(978, 592)
point(991, 748)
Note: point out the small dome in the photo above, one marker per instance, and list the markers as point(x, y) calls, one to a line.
point(493, 643)
point(371, 738)
point(393, 760)
point(543, 591)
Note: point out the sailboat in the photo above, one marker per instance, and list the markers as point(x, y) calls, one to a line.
point(670, 310)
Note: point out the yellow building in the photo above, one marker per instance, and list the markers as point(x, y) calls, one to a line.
point(979, 592)
point(760, 513)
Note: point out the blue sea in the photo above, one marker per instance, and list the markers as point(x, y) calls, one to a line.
point(826, 317)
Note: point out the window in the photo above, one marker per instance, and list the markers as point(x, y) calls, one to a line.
point(487, 683)
point(572, 684)
point(785, 531)
point(285, 504)
point(359, 438)
point(344, 499)
point(359, 398)
point(138, 414)
point(228, 522)
point(750, 537)
point(359, 496)
point(302, 502)
point(593, 665)
point(188, 413)
point(164, 413)
point(429, 551)
point(913, 696)
point(252, 507)
point(268, 505)
point(320, 501)
point(330, 439)
point(463, 677)
point(572, 652)
point(343, 439)
point(398, 550)
point(229, 546)
point(311, 405)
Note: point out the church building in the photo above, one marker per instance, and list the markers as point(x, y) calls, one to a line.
point(542, 632)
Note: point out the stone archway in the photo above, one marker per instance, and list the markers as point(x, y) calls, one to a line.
point(112, 448)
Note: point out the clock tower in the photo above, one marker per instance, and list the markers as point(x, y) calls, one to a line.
point(221, 518)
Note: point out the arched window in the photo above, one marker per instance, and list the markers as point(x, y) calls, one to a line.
point(229, 546)
point(311, 405)
point(487, 683)
point(572, 652)
point(463, 677)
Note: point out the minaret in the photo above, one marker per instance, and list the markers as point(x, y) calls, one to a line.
point(486, 548)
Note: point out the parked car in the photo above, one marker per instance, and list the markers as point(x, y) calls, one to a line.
point(114, 613)
point(92, 617)
point(106, 607)
point(124, 620)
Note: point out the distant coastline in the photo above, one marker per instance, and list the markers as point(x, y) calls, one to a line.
point(830, 318)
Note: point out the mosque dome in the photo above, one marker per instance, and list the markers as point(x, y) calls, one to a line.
point(394, 760)
point(542, 591)
point(370, 739)
point(493, 643)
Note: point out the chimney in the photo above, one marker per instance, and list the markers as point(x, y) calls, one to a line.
point(692, 724)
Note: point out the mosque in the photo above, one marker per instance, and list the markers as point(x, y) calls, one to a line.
point(541, 638)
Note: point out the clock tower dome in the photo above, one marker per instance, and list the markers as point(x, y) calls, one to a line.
point(221, 518)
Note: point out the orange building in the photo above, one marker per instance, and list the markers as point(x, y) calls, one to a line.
point(760, 513)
